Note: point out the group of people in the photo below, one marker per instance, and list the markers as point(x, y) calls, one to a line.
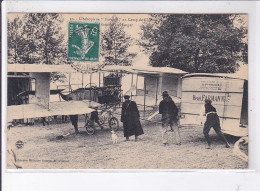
point(130, 117)
point(167, 108)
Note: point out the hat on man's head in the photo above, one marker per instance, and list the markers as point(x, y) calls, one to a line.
point(126, 96)
point(208, 101)
point(165, 93)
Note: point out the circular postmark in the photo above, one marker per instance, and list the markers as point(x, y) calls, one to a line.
point(19, 144)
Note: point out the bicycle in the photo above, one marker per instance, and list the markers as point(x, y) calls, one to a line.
point(106, 115)
point(89, 125)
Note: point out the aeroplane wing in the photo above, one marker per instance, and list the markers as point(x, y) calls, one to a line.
point(55, 108)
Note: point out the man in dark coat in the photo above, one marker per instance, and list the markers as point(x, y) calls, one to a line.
point(212, 121)
point(131, 119)
point(169, 112)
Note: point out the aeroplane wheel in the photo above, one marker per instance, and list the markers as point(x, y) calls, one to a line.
point(90, 128)
point(114, 124)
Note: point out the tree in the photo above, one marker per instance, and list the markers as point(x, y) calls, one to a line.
point(45, 41)
point(115, 44)
point(37, 38)
point(15, 41)
point(195, 43)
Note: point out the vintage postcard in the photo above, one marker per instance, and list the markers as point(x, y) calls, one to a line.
point(127, 91)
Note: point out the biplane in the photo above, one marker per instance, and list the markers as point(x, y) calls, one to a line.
point(228, 92)
point(41, 105)
point(146, 85)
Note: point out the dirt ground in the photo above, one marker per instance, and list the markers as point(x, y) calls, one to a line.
point(42, 149)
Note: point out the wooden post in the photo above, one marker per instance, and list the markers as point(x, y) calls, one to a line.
point(99, 79)
point(160, 80)
point(69, 83)
point(179, 87)
point(132, 84)
point(121, 92)
point(156, 94)
point(49, 93)
point(144, 94)
point(225, 106)
point(82, 78)
point(136, 84)
point(90, 81)
point(103, 78)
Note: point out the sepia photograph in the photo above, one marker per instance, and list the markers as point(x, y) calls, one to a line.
point(127, 91)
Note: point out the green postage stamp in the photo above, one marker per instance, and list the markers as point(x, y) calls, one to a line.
point(83, 42)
